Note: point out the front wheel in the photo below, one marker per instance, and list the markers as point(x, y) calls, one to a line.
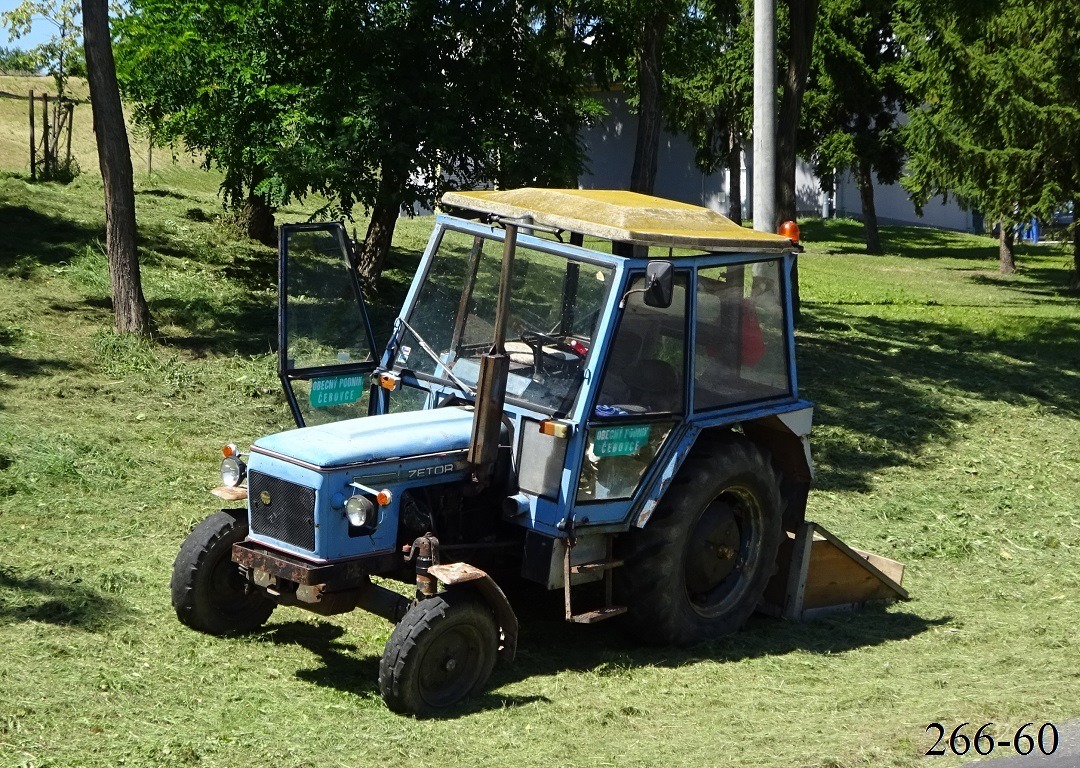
point(441, 652)
point(699, 567)
point(208, 591)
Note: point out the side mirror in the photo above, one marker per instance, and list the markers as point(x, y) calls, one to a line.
point(659, 284)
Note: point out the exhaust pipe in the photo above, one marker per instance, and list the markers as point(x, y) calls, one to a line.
point(494, 370)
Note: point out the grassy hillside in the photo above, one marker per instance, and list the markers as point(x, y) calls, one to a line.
point(946, 438)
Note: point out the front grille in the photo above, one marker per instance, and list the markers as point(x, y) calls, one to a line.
point(282, 510)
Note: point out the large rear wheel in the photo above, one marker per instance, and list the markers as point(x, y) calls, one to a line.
point(699, 567)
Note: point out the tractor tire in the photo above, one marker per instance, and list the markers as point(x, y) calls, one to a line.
point(208, 592)
point(700, 565)
point(441, 652)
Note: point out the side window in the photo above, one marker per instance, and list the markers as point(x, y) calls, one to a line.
point(740, 348)
point(645, 370)
point(641, 396)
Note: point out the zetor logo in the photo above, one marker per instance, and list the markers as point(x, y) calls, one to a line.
point(438, 469)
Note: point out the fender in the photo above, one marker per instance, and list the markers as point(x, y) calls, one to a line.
point(465, 576)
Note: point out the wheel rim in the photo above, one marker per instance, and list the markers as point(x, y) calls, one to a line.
point(723, 551)
point(451, 665)
point(228, 590)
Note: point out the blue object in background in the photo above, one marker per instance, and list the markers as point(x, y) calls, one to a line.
point(1030, 232)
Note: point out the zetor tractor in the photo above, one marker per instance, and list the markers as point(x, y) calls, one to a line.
point(593, 391)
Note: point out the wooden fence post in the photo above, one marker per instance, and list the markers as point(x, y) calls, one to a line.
point(45, 133)
point(70, 126)
point(33, 143)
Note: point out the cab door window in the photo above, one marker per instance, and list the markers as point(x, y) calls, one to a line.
point(645, 370)
point(326, 344)
point(642, 396)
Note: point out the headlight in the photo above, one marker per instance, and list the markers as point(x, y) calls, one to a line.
point(361, 512)
point(233, 472)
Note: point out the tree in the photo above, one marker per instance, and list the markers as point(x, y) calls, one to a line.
point(17, 62)
point(197, 73)
point(853, 100)
point(802, 23)
point(631, 39)
point(998, 125)
point(420, 95)
point(60, 54)
point(129, 305)
point(710, 87)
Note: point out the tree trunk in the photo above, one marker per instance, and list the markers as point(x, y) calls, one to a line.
point(131, 313)
point(803, 14)
point(258, 219)
point(734, 168)
point(864, 180)
point(380, 231)
point(643, 175)
point(255, 218)
point(1006, 260)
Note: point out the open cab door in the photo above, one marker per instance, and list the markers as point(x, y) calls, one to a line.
point(325, 344)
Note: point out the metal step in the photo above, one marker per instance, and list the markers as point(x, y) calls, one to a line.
point(591, 617)
point(596, 565)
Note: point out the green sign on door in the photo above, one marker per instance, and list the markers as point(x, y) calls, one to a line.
point(620, 441)
point(337, 390)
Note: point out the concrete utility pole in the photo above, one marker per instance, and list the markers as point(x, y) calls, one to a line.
point(765, 115)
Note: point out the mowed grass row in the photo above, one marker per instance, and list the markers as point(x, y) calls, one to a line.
point(947, 438)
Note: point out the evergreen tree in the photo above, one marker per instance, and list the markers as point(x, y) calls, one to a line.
point(711, 88)
point(998, 84)
point(853, 100)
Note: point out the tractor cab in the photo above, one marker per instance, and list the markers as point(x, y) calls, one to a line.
point(593, 391)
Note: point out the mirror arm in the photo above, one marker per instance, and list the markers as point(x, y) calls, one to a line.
point(622, 301)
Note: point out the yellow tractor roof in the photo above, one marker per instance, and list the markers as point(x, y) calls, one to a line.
point(618, 215)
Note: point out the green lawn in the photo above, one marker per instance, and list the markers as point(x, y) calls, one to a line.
point(947, 438)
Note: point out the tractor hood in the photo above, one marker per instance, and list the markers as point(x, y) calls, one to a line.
point(373, 438)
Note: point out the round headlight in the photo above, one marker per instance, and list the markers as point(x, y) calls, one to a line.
point(232, 472)
point(361, 512)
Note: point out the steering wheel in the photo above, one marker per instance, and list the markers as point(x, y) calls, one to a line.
point(536, 341)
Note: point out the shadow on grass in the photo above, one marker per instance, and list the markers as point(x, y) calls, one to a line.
point(246, 328)
point(891, 385)
point(249, 326)
point(53, 601)
point(548, 647)
point(343, 666)
point(344, 669)
point(46, 240)
point(910, 241)
point(17, 367)
point(1039, 282)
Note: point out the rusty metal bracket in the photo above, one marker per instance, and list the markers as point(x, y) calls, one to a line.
point(463, 575)
point(425, 550)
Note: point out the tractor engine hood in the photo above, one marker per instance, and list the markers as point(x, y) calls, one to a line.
point(373, 438)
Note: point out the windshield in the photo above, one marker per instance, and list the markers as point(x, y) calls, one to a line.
point(555, 305)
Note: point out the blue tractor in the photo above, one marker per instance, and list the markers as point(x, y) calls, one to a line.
point(592, 391)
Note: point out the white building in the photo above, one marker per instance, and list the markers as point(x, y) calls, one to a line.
point(610, 151)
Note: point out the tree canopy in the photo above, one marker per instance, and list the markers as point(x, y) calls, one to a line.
point(381, 104)
point(854, 99)
point(998, 88)
point(711, 87)
point(61, 55)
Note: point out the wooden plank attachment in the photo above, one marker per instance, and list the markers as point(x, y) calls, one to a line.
point(818, 574)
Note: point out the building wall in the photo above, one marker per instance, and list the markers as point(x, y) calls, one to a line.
point(610, 151)
point(894, 207)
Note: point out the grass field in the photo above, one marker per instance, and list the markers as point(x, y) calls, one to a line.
point(948, 406)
